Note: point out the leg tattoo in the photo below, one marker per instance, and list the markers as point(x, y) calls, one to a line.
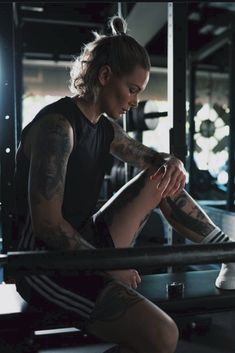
point(187, 217)
point(194, 219)
point(114, 302)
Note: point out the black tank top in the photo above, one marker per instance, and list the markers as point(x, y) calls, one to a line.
point(87, 165)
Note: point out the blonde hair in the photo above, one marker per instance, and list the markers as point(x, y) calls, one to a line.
point(118, 50)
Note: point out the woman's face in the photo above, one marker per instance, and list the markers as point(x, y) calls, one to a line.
point(119, 94)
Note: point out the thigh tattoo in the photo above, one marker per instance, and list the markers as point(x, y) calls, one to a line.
point(114, 301)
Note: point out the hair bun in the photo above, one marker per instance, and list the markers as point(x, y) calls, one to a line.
point(118, 25)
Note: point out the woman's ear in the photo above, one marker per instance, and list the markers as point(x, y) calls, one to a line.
point(104, 75)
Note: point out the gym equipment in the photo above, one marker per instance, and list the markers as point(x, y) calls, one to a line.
point(215, 126)
point(21, 320)
point(117, 176)
point(200, 293)
point(175, 290)
point(71, 262)
point(140, 120)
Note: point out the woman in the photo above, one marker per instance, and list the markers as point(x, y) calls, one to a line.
point(60, 166)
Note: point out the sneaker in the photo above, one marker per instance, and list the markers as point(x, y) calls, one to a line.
point(226, 277)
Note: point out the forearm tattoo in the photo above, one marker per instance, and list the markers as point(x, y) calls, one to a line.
point(132, 151)
point(49, 166)
point(193, 219)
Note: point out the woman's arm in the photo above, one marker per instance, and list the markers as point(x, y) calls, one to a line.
point(51, 143)
point(136, 154)
point(132, 151)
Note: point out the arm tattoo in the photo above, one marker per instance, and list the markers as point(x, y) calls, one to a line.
point(133, 152)
point(52, 147)
point(50, 154)
point(194, 220)
point(56, 238)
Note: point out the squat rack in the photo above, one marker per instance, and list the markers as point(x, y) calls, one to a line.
point(11, 98)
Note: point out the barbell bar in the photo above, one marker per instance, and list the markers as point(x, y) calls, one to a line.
point(138, 120)
point(72, 262)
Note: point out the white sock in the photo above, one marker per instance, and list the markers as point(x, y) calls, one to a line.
point(216, 236)
point(225, 279)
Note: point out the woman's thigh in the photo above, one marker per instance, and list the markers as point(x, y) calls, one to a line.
point(121, 315)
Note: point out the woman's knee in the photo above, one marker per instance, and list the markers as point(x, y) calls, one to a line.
point(165, 341)
point(157, 333)
point(169, 338)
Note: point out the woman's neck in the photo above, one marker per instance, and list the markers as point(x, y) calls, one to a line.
point(89, 109)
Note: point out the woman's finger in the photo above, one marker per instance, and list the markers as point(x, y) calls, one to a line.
point(159, 173)
point(136, 278)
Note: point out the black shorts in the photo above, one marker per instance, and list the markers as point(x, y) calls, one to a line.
point(96, 232)
point(75, 294)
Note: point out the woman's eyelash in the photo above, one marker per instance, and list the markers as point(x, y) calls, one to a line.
point(132, 90)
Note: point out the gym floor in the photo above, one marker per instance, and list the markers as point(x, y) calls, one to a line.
point(219, 338)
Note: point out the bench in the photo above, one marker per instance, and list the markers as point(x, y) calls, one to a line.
point(200, 293)
point(200, 296)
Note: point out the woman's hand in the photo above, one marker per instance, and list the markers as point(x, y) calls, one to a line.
point(175, 174)
point(129, 277)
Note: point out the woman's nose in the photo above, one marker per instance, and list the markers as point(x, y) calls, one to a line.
point(134, 102)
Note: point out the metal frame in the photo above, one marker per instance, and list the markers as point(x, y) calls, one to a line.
point(227, 37)
point(191, 97)
point(8, 138)
point(231, 161)
point(177, 39)
point(211, 47)
point(18, 63)
point(177, 51)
